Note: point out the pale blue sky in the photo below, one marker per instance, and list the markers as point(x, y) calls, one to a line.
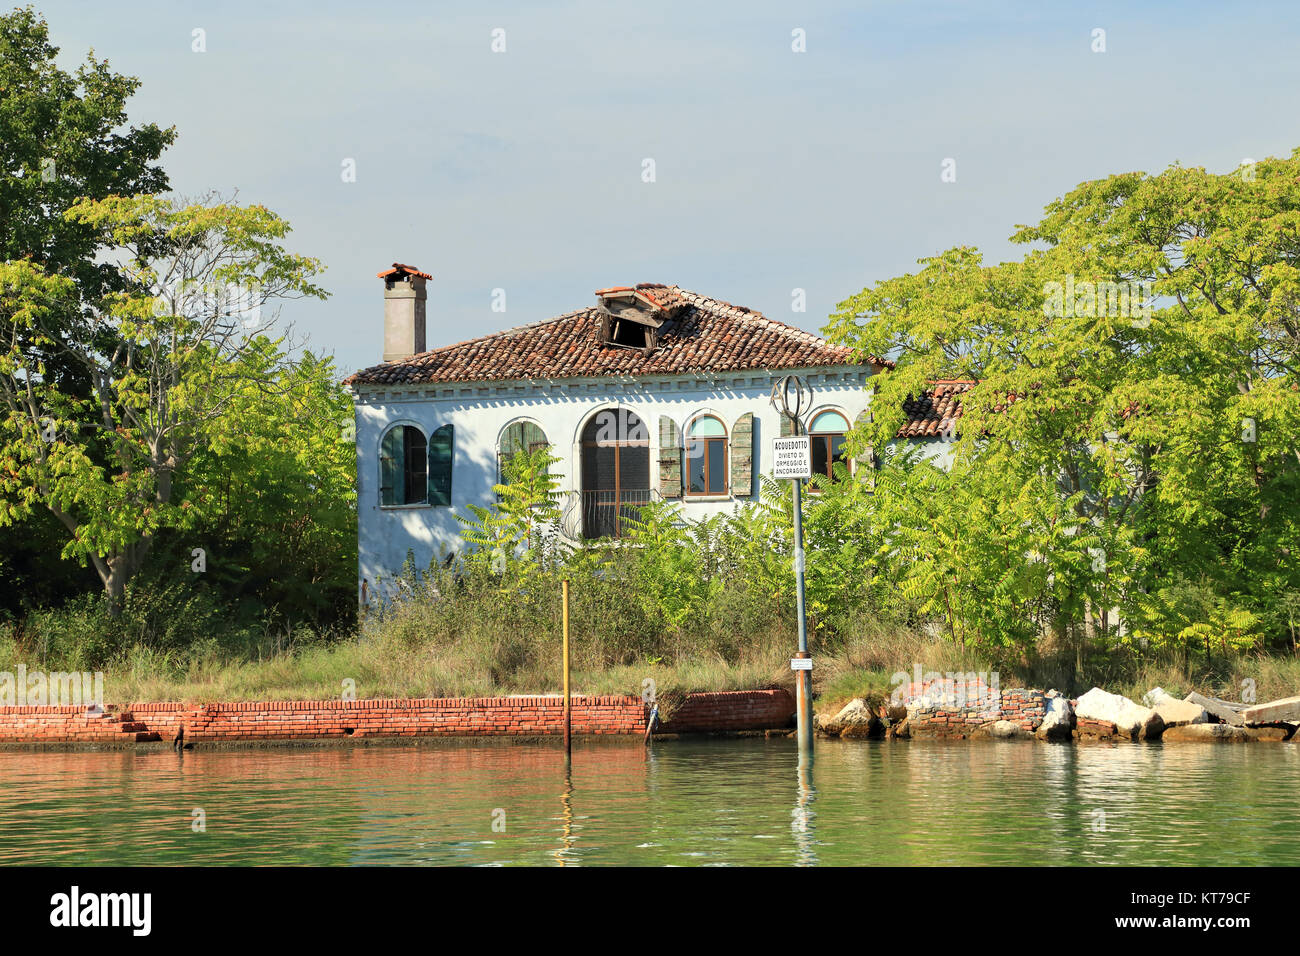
point(775, 170)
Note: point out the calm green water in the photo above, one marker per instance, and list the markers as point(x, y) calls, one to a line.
point(680, 803)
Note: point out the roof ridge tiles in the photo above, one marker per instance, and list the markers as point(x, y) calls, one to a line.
point(499, 334)
point(709, 336)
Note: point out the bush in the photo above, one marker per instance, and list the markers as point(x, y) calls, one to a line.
point(177, 621)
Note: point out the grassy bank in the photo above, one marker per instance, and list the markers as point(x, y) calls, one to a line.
point(426, 649)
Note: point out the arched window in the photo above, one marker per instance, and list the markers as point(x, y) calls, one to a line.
point(615, 471)
point(403, 467)
point(441, 452)
point(518, 436)
point(706, 457)
point(828, 430)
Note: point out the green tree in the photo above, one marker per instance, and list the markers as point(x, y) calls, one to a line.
point(274, 491)
point(520, 525)
point(669, 568)
point(163, 358)
point(64, 137)
point(1137, 377)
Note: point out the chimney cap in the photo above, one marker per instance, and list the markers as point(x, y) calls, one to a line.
point(401, 271)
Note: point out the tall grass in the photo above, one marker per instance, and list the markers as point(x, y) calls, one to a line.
point(469, 632)
point(449, 635)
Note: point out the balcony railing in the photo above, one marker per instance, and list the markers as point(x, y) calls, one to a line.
point(604, 514)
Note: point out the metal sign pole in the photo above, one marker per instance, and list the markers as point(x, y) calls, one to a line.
point(802, 677)
point(790, 396)
point(568, 706)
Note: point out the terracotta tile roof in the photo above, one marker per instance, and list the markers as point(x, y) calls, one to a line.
point(936, 410)
point(701, 334)
point(399, 268)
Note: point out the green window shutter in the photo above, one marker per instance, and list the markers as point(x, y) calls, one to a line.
point(787, 427)
point(519, 436)
point(670, 458)
point(509, 444)
point(867, 459)
point(391, 468)
point(441, 452)
point(742, 456)
point(512, 440)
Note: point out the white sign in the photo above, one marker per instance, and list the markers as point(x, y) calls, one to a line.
point(792, 457)
point(801, 663)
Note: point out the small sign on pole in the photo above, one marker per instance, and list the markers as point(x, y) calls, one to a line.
point(801, 663)
point(792, 457)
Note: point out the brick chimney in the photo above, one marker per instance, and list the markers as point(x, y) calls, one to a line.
point(404, 298)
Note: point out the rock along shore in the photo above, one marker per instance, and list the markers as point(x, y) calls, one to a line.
point(970, 708)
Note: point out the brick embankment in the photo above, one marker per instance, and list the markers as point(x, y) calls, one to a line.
point(50, 724)
point(387, 718)
point(946, 708)
point(732, 710)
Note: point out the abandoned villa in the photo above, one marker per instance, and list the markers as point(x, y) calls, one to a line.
point(653, 392)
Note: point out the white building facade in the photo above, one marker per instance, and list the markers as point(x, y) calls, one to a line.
point(655, 393)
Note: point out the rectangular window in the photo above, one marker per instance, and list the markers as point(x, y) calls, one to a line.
point(826, 451)
point(414, 465)
point(706, 460)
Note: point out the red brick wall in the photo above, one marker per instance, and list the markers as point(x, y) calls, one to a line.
point(732, 710)
point(468, 717)
point(449, 717)
point(61, 725)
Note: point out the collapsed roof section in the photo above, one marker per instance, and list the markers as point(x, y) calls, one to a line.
point(633, 316)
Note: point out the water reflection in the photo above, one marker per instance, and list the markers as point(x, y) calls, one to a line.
point(564, 856)
point(685, 802)
point(802, 823)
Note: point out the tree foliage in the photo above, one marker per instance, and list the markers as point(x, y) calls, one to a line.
point(64, 137)
point(144, 412)
point(520, 527)
point(1135, 416)
point(165, 358)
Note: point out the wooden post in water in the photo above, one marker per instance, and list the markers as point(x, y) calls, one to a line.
point(568, 706)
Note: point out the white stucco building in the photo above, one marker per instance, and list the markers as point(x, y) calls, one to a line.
point(653, 392)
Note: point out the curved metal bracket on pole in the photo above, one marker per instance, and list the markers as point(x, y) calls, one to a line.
point(792, 396)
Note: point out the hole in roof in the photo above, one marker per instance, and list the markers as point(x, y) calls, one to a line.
point(629, 333)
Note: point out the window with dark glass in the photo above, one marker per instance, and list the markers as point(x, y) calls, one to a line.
point(403, 474)
point(615, 472)
point(706, 457)
point(827, 433)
